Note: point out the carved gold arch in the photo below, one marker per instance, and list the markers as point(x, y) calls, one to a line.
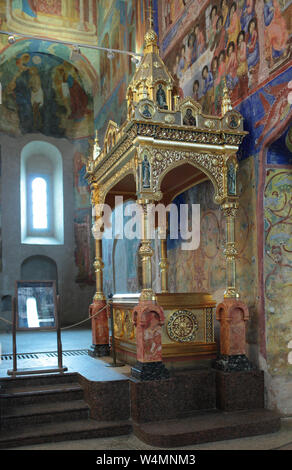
point(211, 164)
point(104, 188)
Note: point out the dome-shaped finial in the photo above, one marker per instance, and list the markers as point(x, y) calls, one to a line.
point(151, 37)
point(226, 101)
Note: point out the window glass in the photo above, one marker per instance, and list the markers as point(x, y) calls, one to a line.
point(39, 203)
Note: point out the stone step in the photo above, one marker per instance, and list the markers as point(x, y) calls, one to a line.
point(67, 430)
point(40, 379)
point(208, 426)
point(44, 413)
point(40, 393)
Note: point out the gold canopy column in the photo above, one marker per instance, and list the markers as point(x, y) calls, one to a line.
point(230, 211)
point(163, 260)
point(146, 253)
point(98, 309)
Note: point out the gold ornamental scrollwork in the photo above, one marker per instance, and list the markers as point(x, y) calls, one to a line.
point(119, 322)
point(129, 328)
point(182, 326)
point(230, 210)
point(128, 168)
point(210, 165)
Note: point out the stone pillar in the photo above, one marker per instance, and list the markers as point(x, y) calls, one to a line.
point(148, 319)
point(233, 316)
point(148, 316)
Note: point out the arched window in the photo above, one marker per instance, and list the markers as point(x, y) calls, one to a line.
point(41, 194)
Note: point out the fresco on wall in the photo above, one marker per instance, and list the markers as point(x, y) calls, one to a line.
point(43, 93)
point(66, 19)
point(278, 266)
point(280, 151)
point(241, 41)
point(121, 25)
point(84, 241)
point(201, 270)
point(0, 211)
point(121, 259)
point(84, 251)
point(264, 111)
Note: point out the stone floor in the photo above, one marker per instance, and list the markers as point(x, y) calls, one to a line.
point(97, 370)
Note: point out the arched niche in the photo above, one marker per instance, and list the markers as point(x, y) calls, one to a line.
point(63, 52)
point(178, 179)
point(42, 158)
point(124, 188)
point(124, 253)
point(39, 268)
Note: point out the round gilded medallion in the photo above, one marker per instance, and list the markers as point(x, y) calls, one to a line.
point(233, 121)
point(182, 326)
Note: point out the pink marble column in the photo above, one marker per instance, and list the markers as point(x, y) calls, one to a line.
point(148, 319)
point(100, 329)
point(232, 315)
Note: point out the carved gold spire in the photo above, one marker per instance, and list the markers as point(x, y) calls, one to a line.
point(152, 76)
point(226, 101)
point(150, 37)
point(96, 147)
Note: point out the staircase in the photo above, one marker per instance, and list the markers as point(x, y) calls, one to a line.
point(49, 408)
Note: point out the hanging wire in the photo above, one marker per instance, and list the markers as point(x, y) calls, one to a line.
point(13, 36)
point(70, 326)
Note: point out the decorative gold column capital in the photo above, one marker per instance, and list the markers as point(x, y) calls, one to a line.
point(98, 265)
point(230, 251)
point(231, 293)
point(230, 209)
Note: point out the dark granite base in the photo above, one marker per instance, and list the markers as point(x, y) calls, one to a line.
point(99, 350)
point(239, 391)
point(108, 401)
point(235, 363)
point(149, 371)
point(181, 395)
point(209, 426)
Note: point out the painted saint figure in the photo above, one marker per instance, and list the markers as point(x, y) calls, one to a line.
point(37, 97)
point(208, 90)
point(234, 26)
point(145, 173)
point(248, 13)
point(196, 86)
point(212, 25)
point(231, 67)
point(231, 179)
point(276, 34)
point(253, 55)
point(189, 119)
point(160, 97)
point(146, 112)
